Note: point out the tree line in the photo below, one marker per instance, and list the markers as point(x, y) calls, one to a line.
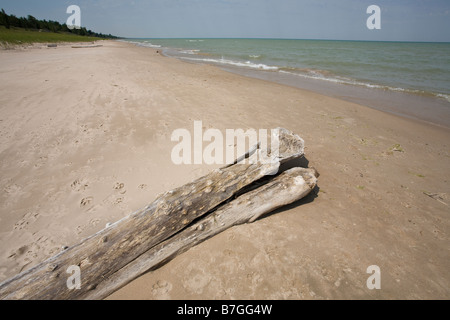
point(31, 23)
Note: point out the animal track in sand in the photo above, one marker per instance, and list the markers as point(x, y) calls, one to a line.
point(12, 189)
point(20, 251)
point(40, 249)
point(28, 218)
point(197, 282)
point(41, 162)
point(161, 288)
point(94, 222)
point(85, 201)
point(120, 186)
point(79, 185)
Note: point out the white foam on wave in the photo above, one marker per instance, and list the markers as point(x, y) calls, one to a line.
point(149, 45)
point(146, 44)
point(317, 75)
point(189, 51)
point(443, 96)
point(247, 64)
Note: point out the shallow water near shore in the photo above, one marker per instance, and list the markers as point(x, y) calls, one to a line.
point(407, 79)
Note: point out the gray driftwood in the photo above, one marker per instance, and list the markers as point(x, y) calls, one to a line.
point(105, 257)
point(284, 189)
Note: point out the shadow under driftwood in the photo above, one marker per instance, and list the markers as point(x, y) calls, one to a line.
point(212, 215)
point(302, 162)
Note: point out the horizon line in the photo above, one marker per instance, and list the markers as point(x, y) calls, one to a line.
point(262, 38)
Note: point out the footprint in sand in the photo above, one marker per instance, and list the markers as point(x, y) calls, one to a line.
point(86, 201)
point(197, 282)
point(41, 249)
point(161, 289)
point(13, 189)
point(28, 218)
point(79, 185)
point(80, 229)
point(94, 222)
point(41, 162)
point(120, 186)
point(19, 252)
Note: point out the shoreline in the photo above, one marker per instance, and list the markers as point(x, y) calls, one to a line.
point(402, 104)
point(85, 141)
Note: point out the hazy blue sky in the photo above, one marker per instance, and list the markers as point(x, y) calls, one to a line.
point(413, 20)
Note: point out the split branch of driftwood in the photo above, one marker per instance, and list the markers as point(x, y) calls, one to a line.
point(284, 189)
point(119, 253)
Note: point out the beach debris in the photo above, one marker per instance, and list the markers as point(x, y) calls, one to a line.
point(436, 196)
point(397, 147)
point(173, 223)
point(87, 46)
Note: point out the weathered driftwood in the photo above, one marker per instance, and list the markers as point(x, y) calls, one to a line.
point(284, 189)
point(87, 46)
point(103, 254)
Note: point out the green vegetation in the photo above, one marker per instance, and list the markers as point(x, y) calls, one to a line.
point(397, 147)
point(416, 174)
point(420, 175)
point(21, 36)
point(14, 30)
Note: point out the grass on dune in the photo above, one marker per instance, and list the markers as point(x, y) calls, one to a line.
point(22, 36)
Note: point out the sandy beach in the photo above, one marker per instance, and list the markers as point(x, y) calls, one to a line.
point(85, 140)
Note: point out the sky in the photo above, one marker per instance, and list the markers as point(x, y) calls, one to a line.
point(400, 20)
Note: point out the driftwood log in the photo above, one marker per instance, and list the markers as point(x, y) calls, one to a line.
point(153, 235)
point(284, 189)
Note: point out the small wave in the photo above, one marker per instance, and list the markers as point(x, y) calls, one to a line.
point(322, 75)
point(443, 96)
point(189, 51)
point(317, 75)
point(146, 44)
point(328, 76)
point(254, 56)
point(149, 45)
point(247, 64)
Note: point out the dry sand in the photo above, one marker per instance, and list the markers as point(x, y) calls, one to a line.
point(85, 140)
